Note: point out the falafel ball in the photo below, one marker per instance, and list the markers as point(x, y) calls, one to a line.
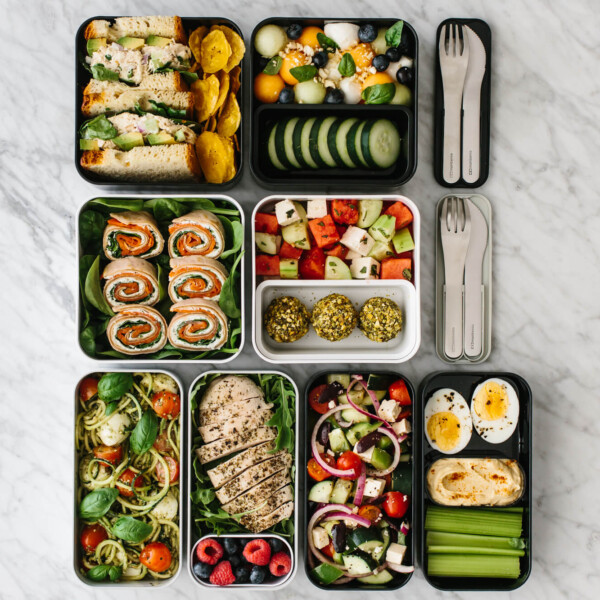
point(380, 319)
point(286, 319)
point(334, 317)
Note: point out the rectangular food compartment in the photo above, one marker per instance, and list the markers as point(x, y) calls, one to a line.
point(195, 531)
point(77, 548)
point(89, 244)
point(310, 419)
point(518, 447)
point(82, 77)
point(405, 117)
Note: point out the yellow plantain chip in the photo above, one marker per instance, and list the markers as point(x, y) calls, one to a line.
point(223, 89)
point(230, 118)
point(212, 156)
point(234, 77)
point(215, 52)
point(206, 94)
point(231, 169)
point(195, 41)
point(238, 47)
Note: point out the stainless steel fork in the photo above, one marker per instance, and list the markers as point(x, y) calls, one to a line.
point(455, 228)
point(454, 59)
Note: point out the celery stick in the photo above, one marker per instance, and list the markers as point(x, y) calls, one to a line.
point(474, 550)
point(443, 538)
point(465, 565)
point(474, 521)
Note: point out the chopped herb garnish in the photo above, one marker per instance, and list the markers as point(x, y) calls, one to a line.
point(363, 270)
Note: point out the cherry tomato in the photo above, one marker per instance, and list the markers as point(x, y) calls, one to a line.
point(173, 470)
point(129, 478)
point(313, 397)
point(92, 535)
point(111, 454)
point(368, 511)
point(162, 442)
point(316, 471)
point(399, 392)
point(349, 460)
point(404, 415)
point(88, 388)
point(396, 504)
point(166, 404)
point(328, 550)
point(156, 557)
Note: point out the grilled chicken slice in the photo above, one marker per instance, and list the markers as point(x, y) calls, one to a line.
point(226, 446)
point(257, 495)
point(236, 424)
point(222, 413)
point(258, 524)
point(229, 388)
point(281, 496)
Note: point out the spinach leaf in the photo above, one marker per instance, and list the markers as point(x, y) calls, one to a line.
point(394, 34)
point(85, 263)
point(91, 225)
point(100, 72)
point(160, 108)
point(167, 209)
point(304, 73)
point(115, 572)
point(98, 127)
point(112, 386)
point(93, 289)
point(273, 65)
point(228, 301)
point(327, 43)
point(132, 204)
point(347, 66)
point(380, 93)
point(97, 503)
point(234, 234)
point(189, 76)
point(87, 339)
point(131, 530)
point(168, 353)
point(144, 433)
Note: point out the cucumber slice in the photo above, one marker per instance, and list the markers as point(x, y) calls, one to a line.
point(288, 142)
point(305, 142)
point(322, 145)
point(352, 415)
point(358, 145)
point(280, 144)
point(362, 536)
point(342, 378)
point(271, 150)
point(267, 242)
point(313, 145)
point(351, 143)
point(368, 212)
point(341, 491)
point(402, 479)
point(379, 579)
point(297, 143)
point(341, 143)
point(380, 382)
point(321, 492)
point(379, 552)
point(359, 430)
point(380, 143)
point(338, 441)
point(332, 143)
point(296, 234)
point(336, 268)
point(359, 564)
point(357, 396)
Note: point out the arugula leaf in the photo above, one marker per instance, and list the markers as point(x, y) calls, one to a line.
point(100, 72)
point(97, 503)
point(144, 433)
point(273, 66)
point(380, 93)
point(112, 386)
point(304, 73)
point(393, 35)
point(347, 66)
point(326, 42)
point(93, 289)
point(228, 300)
point(98, 127)
point(131, 530)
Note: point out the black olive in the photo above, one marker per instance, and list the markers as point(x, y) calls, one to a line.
point(323, 434)
point(369, 440)
point(338, 536)
point(331, 392)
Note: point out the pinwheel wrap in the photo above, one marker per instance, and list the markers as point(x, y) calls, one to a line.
point(196, 277)
point(198, 325)
point(130, 281)
point(132, 234)
point(197, 233)
point(137, 330)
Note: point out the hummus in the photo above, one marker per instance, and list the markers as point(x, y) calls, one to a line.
point(475, 481)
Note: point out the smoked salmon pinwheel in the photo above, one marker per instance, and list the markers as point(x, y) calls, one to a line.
point(199, 233)
point(198, 325)
point(196, 277)
point(137, 330)
point(132, 234)
point(130, 281)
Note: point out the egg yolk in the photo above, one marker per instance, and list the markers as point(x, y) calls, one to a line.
point(491, 402)
point(443, 428)
point(290, 61)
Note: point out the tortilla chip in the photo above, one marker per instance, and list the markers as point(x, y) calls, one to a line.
point(238, 48)
point(212, 156)
point(234, 78)
point(206, 94)
point(230, 118)
point(195, 41)
point(223, 89)
point(215, 52)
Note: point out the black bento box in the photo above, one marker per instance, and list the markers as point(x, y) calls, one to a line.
point(518, 446)
point(328, 179)
point(82, 77)
point(400, 579)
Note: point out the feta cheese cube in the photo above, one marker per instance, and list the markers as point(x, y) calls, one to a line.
point(286, 213)
point(366, 455)
point(374, 487)
point(320, 538)
point(320, 448)
point(358, 239)
point(402, 427)
point(364, 268)
point(351, 255)
point(395, 553)
point(389, 410)
point(316, 208)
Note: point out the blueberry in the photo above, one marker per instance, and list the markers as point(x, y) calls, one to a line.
point(320, 59)
point(294, 31)
point(393, 54)
point(276, 545)
point(367, 33)
point(286, 96)
point(242, 574)
point(235, 560)
point(258, 574)
point(231, 546)
point(334, 96)
point(202, 570)
point(381, 62)
point(405, 75)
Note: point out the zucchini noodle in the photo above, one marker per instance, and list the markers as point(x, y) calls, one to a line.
point(141, 493)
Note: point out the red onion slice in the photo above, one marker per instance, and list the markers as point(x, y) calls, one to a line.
point(362, 411)
point(363, 521)
point(360, 486)
point(401, 568)
point(341, 509)
point(404, 528)
point(360, 379)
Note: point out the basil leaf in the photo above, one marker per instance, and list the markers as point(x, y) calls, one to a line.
point(380, 93)
point(304, 73)
point(145, 432)
point(110, 408)
point(228, 300)
point(327, 43)
point(93, 289)
point(347, 66)
point(101, 73)
point(97, 503)
point(189, 76)
point(131, 530)
point(112, 386)
point(99, 572)
point(98, 127)
point(273, 66)
point(394, 34)
point(115, 572)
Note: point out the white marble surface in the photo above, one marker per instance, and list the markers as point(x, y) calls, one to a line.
point(543, 185)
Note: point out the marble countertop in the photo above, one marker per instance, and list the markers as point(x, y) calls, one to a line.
point(543, 185)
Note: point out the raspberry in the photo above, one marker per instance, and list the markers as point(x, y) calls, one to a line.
point(222, 574)
point(257, 552)
point(209, 551)
point(280, 565)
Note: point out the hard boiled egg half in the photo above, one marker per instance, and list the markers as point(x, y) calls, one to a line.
point(448, 425)
point(495, 410)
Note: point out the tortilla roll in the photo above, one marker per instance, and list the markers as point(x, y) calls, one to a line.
point(196, 277)
point(132, 234)
point(198, 325)
point(130, 281)
point(197, 233)
point(137, 330)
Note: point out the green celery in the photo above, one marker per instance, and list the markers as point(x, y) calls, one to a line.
point(474, 521)
point(466, 565)
point(443, 538)
point(474, 550)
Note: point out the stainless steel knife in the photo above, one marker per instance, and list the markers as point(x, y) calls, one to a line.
point(471, 104)
point(474, 292)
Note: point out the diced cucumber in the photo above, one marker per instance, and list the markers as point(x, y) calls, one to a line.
point(321, 492)
point(368, 212)
point(380, 459)
point(341, 491)
point(288, 142)
point(341, 143)
point(280, 144)
point(380, 551)
point(338, 558)
point(297, 143)
point(272, 151)
point(305, 142)
point(288, 268)
point(402, 479)
point(383, 442)
point(342, 378)
point(380, 394)
point(338, 441)
point(380, 143)
point(378, 579)
point(267, 242)
point(361, 536)
point(296, 234)
point(357, 396)
point(326, 574)
point(359, 564)
point(403, 241)
point(353, 416)
point(381, 250)
point(322, 145)
point(301, 212)
point(383, 229)
point(354, 433)
point(336, 268)
point(380, 382)
point(313, 145)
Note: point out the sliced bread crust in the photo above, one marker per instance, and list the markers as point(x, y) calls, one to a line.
point(171, 27)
